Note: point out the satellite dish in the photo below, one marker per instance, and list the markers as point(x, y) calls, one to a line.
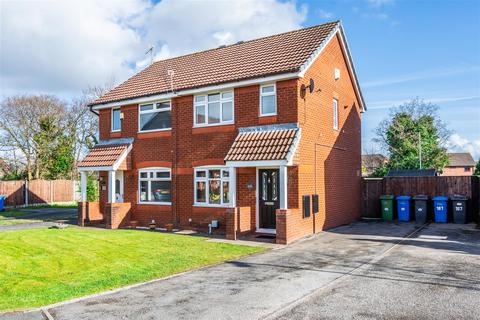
point(311, 85)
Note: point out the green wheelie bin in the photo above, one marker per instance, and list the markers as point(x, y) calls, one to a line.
point(386, 202)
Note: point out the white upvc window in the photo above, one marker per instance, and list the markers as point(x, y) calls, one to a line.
point(116, 123)
point(155, 186)
point(335, 114)
point(213, 109)
point(155, 116)
point(268, 100)
point(212, 186)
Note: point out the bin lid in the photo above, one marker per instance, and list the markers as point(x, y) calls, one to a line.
point(403, 197)
point(386, 197)
point(459, 197)
point(440, 198)
point(420, 197)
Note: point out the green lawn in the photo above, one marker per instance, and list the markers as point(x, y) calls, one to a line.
point(8, 222)
point(43, 266)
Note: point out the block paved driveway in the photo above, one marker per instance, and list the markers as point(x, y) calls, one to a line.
point(360, 271)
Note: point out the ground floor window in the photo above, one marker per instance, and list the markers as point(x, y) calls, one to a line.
point(212, 186)
point(155, 185)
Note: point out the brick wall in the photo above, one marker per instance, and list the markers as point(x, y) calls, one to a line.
point(185, 147)
point(458, 171)
point(329, 160)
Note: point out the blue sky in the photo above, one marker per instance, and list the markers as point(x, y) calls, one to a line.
point(401, 49)
point(405, 49)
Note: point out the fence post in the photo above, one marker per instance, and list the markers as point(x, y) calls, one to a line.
point(26, 193)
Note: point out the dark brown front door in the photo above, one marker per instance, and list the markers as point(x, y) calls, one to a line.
point(269, 188)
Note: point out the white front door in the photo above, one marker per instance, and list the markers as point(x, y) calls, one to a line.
point(119, 186)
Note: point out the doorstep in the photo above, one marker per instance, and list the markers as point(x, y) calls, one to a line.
point(252, 242)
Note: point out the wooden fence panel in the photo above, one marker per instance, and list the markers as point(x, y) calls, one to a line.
point(372, 190)
point(15, 192)
point(38, 191)
point(431, 186)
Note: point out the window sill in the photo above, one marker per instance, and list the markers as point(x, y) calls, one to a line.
point(216, 128)
point(115, 131)
point(155, 130)
point(154, 134)
point(200, 205)
point(213, 124)
point(267, 115)
point(155, 203)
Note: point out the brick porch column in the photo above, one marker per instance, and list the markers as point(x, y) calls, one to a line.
point(82, 213)
point(231, 223)
point(281, 225)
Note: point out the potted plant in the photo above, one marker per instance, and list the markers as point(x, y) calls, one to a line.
point(152, 225)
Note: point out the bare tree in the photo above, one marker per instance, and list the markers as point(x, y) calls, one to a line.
point(85, 122)
point(20, 122)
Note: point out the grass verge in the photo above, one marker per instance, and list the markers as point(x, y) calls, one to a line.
point(43, 266)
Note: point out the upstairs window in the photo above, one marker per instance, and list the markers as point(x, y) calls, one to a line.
point(268, 100)
point(116, 124)
point(212, 186)
point(155, 116)
point(155, 186)
point(213, 109)
point(335, 114)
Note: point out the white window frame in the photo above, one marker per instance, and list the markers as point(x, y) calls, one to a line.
point(335, 113)
point(153, 170)
point(154, 110)
point(230, 179)
point(119, 118)
point(274, 94)
point(205, 104)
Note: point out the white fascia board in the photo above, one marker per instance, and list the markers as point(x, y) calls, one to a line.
point(338, 29)
point(225, 86)
point(83, 169)
point(258, 163)
point(294, 147)
point(121, 158)
point(307, 64)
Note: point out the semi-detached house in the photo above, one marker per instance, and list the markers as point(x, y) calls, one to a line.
point(261, 136)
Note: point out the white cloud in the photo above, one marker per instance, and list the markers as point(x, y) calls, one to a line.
point(421, 75)
point(379, 3)
point(325, 14)
point(64, 46)
point(457, 143)
point(386, 104)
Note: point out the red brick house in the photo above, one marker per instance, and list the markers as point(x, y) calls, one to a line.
point(261, 136)
point(459, 164)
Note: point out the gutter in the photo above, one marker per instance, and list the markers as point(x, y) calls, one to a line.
point(93, 111)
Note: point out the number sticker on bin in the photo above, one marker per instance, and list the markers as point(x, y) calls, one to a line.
point(439, 208)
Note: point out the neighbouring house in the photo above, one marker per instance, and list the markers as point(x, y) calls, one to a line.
point(258, 137)
point(371, 162)
point(459, 164)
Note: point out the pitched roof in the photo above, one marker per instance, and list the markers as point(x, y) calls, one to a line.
point(463, 159)
point(263, 143)
point(277, 54)
point(103, 155)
